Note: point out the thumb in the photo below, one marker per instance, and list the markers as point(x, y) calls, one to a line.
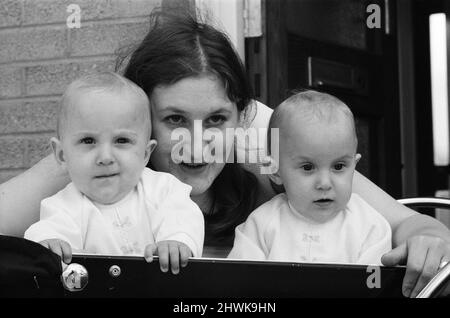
point(397, 256)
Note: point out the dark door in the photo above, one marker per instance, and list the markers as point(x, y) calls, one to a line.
point(326, 45)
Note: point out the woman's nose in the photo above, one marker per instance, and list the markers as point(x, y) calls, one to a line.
point(105, 156)
point(197, 147)
point(199, 144)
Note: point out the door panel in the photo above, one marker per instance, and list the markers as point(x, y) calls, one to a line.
point(326, 45)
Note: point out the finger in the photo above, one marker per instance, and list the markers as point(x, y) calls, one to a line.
point(163, 253)
point(185, 253)
point(45, 244)
point(430, 268)
point(55, 247)
point(416, 259)
point(67, 252)
point(63, 266)
point(150, 250)
point(174, 252)
point(396, 256)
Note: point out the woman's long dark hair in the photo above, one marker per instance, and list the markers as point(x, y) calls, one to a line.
point(179, 46)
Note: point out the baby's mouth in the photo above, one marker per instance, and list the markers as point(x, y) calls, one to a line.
point(104, 176)
point(323, 202)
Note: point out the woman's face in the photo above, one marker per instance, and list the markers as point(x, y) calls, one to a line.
point(192, 105)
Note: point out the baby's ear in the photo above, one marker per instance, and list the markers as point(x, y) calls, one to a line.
point(275, 178)
point(151, 145)
point(270, 166)
point(357, 158)
point(58, 151)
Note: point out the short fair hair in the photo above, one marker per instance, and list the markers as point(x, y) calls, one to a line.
point(98, 82)
point(311, 105)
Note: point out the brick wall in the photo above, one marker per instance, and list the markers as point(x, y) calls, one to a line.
point(40, 55)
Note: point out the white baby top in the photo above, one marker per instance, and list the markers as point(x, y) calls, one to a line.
point(159, 208)
point(274, 231)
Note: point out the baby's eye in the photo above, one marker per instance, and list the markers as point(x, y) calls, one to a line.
point(175, 119)
point(87, 140)
point(123, 140)
point(339, 166)
point(307, 167)
point(216, 120)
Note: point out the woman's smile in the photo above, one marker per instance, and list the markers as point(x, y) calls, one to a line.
point(194, 167)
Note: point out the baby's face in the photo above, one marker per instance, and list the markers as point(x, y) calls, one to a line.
point(105, 144)
point(317, 162)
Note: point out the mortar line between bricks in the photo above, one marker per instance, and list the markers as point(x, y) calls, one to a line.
point(137, 19)
point(25, 134)
point(50, 61)
point(32, 98)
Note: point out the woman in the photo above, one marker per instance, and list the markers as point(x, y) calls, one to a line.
point(195, 81)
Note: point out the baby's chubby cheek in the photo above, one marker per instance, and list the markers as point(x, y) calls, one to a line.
point(342, 198)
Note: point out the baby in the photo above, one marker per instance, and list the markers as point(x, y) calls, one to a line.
point(115, 205)
point(318, 218)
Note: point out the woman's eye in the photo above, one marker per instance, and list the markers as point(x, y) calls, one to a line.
point(216, 120)
point(87, 141)
point(339, 166)
point(175, 119)
point(307, 167)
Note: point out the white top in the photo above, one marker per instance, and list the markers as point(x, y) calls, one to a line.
point(256, 146)
point(159, 208)
point(274, 231)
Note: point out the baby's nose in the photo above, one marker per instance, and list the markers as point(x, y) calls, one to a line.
point(324, 182)
point(105, 156)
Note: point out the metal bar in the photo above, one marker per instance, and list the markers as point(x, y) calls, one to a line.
point(436, 283)
point(426, 202)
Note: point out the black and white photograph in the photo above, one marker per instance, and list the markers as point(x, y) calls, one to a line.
point(224, 156)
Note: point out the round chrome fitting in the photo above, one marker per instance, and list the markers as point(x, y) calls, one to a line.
point(115, 271)
point(75, 277)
